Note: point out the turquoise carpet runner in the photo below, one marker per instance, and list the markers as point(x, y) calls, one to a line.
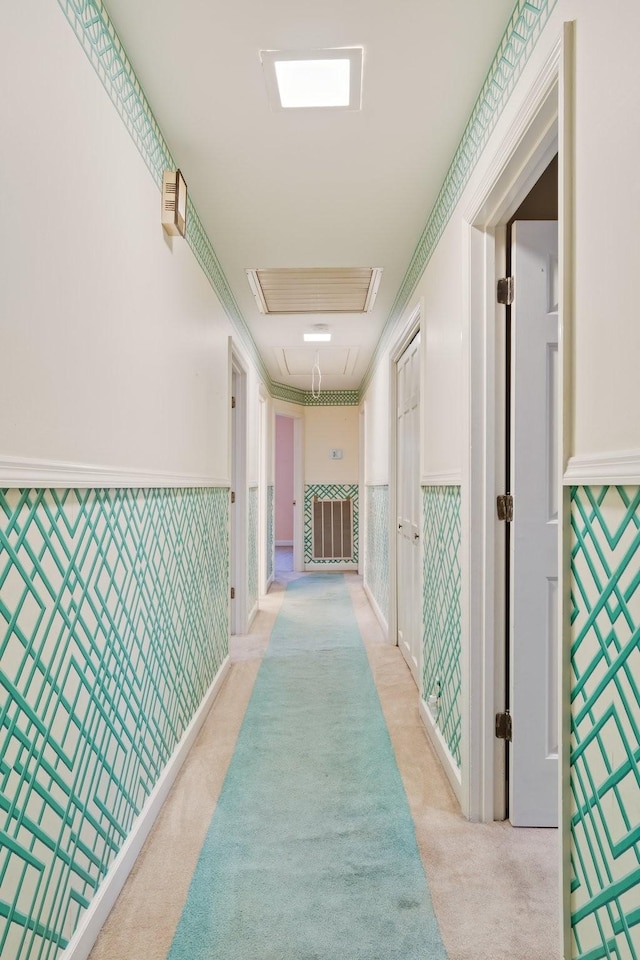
point(311, 852)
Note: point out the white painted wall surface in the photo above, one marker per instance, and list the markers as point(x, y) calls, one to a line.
point(114, 345)
point(284, 480)
point(376, 425)
point(326, 428)
point(607, 332)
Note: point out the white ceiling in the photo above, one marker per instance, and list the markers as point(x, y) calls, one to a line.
point(312, 188)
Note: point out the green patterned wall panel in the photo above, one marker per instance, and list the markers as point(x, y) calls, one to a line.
point(253, 558)
point(327, 398)
point(441, 610)
point(605, 722)
point(376, 572)
point(270, 529)
point(113, 624)
point(328, 491)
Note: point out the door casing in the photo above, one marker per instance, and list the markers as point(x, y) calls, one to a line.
point(543, 126)
point(403, 339)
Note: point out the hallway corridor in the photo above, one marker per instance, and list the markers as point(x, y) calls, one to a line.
point(494, 889)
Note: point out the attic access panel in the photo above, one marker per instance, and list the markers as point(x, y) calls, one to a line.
point(315, 290)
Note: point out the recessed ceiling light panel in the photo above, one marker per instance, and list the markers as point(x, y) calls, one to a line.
point(314, 79)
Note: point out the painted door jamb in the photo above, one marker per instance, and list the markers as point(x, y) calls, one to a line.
point(543, 125)
point(238, 462)
point(404, 337)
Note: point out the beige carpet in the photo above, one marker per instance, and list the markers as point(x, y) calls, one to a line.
point(494, 888)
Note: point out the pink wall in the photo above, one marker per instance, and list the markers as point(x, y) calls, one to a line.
point(284, 479)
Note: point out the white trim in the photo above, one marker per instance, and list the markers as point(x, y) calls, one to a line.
point(61, 474)
point(283, 543)
point(604, 469)
point(376, 609)
point(516, 163)
point(441, 748)
point(376, 483)
point(342, 567)
point(450, 478)
point(85, 936)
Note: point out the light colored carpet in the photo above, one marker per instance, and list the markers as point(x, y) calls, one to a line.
point(311, 853)
point(494, 888)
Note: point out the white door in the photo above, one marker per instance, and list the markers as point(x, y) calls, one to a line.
point(533, 773)
point(409, 601)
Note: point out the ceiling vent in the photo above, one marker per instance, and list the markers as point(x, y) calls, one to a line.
point(315, 289)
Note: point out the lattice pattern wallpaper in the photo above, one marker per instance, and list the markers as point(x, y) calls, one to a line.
point(253, 558)
point(441, 673)
point(270, 529)
point(605, 714)
point(376, 572)
point(328, 491)
point(113, 624)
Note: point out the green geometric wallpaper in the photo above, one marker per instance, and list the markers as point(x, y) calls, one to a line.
point(253, 559)
point(113, 624)
point(605, 722)
point(376, 570)
point(270, 529)
point(441, 675)
point(329, 491)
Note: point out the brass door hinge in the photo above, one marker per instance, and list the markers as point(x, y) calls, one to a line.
point(505, 291)
point(233, 593)
point(504, 726)
point(233, 496)
point(504, 505)
point(233, 403)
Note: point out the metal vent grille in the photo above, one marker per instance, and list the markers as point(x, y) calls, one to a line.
point(315, 289)
point(332, 529)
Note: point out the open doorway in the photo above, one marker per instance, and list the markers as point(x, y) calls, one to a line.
point(284, 495)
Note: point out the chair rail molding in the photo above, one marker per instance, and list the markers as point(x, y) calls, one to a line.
point(24, 472)
point(609, 469)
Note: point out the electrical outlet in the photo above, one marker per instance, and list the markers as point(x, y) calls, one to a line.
point(335, 454)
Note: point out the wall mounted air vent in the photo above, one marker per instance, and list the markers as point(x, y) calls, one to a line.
point(315, 289)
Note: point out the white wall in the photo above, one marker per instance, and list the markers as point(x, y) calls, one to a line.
point(327, 428)
point(284, 480)
point(376, 426)
point(114, 345)
point(607, 332)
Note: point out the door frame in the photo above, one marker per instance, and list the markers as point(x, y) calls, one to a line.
point(408, 331)
point(238, 519)
point(298, 483)
point(543, 126)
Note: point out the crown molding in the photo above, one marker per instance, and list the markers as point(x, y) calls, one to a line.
point(29, 473)
point(604, 469)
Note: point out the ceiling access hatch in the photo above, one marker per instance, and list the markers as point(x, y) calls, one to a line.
point(315, 289)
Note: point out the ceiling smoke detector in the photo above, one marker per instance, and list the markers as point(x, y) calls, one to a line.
point(315, 289)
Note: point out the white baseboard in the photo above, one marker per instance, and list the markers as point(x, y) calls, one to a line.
point(442, 750)
point(252, 616)
point(93, 919)
point(284, 543)
point(314, 567)
point(376, 609)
